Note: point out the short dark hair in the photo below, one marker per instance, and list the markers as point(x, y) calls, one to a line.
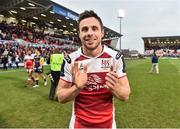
point(87, 14)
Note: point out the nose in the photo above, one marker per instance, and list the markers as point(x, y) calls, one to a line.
point(90, 32)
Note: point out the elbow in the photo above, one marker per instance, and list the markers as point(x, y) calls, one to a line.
point(61, 98)
point(62, 101)
point(125, 97)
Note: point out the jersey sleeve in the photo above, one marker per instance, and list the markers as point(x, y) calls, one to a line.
point(120, 66)
point(67, 72)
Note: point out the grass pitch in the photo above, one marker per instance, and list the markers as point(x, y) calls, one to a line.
point(154, 101)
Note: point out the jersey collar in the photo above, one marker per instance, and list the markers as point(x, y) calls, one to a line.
point(93, 57)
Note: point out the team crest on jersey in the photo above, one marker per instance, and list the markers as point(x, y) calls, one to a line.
point(105, 63)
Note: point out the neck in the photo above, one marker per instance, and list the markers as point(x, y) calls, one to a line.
point(93, 52)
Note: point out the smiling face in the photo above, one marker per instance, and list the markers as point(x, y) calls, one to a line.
point(90, 33)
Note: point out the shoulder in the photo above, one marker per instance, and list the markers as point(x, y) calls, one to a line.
point(73, 56)
point(116, 54)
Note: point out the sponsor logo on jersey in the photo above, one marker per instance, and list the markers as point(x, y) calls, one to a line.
point(95, 87)
point(93, 79)
point(94, 83)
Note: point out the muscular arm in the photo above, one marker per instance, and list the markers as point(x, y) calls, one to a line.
point(118, 86)
point(122, 90)
point(66, 92)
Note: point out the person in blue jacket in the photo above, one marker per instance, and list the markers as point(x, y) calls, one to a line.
point(155, 66)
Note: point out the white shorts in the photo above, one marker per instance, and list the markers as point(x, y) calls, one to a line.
point(29, 70)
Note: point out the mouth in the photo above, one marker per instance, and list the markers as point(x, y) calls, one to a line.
point(89, 41)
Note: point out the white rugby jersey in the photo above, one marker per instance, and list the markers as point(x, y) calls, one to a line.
point(93, 107)
point(28, 57)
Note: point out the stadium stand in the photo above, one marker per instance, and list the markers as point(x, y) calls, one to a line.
point(39, 24)
point(168, 46)
point(45, 17)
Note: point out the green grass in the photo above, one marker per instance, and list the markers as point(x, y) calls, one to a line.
point(154, 101)
point(29, 107)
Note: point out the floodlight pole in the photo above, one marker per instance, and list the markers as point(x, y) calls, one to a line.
point(120, 19)
point(120, 16)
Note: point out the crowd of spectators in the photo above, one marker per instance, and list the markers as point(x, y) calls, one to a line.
point(163, 52)
point(12, 54)
point(31, 34)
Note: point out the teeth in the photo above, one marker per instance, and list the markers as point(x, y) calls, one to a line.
point(90, 40)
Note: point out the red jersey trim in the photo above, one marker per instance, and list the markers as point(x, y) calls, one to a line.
point(65, 80)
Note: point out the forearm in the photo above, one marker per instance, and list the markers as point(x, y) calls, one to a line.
point(67, 94)
point(121, 93)
point(121, 89)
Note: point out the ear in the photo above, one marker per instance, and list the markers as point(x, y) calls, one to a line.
point(78, 33)
point(102, 33)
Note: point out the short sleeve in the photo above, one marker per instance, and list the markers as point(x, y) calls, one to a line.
point(67, 72)
point(120, 66)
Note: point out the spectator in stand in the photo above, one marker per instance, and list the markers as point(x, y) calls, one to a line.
point(4, 61)
point(17, 60)
point(93, 75)
point(155, 66)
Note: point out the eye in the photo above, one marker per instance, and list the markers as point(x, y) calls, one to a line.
point(95, 28)
point(84, 29)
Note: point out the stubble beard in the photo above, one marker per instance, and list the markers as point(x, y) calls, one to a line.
point(91, 48)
